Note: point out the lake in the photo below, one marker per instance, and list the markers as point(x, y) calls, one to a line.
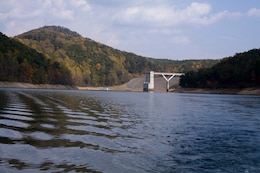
point(99, 131)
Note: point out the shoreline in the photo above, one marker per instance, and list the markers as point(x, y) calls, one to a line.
point(244, 91)
point(124, 87)
point(4, 84)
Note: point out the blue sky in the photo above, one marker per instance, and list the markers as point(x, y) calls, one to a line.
point(171, 29)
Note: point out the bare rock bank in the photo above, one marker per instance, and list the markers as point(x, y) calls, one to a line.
point(34, 86)
point(133, 85)
point(244, 91)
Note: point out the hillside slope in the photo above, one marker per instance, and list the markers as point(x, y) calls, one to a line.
point(240, 71)
point(94, 64)
point(19, 63)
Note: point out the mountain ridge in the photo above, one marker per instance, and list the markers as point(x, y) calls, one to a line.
point(20, 63)
point(239, 71)
point(94, 64)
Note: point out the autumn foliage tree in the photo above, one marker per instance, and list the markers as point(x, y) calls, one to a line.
point(57, 55)
point(19, 63)
point(94, 64)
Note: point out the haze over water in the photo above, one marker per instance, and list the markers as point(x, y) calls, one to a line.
point(95, 131)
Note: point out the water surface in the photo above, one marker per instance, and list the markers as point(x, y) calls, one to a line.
point(95, 131)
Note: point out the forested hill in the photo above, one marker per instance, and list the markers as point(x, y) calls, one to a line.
point(94, 64)
point(19, 63)
point(240, 71)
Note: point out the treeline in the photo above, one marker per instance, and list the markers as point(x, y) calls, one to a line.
point(240, 71)
point(19, 63)
point(184, 65)
point(94, 64)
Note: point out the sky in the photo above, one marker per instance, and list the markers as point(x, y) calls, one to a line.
point(168, 29)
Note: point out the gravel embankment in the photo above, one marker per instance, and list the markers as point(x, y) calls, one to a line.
point(35, 86)
point(135, 84)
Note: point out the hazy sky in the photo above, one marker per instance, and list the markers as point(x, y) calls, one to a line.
point(172, 29)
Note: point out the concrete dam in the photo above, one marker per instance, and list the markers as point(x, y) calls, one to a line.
point(136, 84)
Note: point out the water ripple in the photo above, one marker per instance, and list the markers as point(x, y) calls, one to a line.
point(75, 131)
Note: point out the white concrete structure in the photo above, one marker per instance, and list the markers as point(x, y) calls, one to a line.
point(149, 82)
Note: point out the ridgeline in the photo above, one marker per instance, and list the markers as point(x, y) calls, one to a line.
point(239, 71)
point(20, 63)
point(86, 62)
point(57, 55)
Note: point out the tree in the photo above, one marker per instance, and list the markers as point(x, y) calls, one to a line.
point(241, 70)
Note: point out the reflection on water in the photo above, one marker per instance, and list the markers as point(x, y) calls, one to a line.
point(52, 126)
point(64, 131)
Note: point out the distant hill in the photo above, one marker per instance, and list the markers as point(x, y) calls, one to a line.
point(19, 63)
point(239, 71)
point(94, 64)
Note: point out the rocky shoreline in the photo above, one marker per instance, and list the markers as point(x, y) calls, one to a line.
point(124, 87)
point(244, 91)
point(34, 86)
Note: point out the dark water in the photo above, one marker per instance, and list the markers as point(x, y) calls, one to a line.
point(87, 131)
